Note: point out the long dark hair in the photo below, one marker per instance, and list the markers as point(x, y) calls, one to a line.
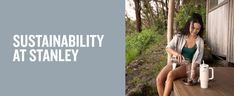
point(195, 18)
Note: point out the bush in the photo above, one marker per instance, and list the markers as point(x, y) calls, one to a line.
point(138, 42)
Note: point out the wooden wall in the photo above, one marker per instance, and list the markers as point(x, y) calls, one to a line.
point(230, 49)
point(220, 29)
point(217, 23)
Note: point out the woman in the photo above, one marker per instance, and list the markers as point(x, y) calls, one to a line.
point(187, 44)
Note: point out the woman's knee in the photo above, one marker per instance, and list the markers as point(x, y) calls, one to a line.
point(170, 76)
point(159, 80)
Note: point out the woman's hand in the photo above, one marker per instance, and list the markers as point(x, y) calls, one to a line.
point(179, 57)
point(193, 74)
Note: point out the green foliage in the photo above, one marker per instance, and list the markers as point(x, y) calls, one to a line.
point(137, 42)
point(160, 23)
point(186, 11)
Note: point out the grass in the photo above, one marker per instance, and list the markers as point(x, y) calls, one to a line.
point(154, 58)
point(136, 43)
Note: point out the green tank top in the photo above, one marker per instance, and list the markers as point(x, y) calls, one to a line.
point(189, 52)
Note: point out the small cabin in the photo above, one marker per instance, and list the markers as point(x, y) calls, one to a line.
point(220, 28)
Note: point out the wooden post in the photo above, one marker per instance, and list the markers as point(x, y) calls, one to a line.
point(171, 6)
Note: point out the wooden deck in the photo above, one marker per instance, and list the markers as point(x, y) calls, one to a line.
point(222, 85)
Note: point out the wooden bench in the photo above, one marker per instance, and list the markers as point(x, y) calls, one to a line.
point(221, 85)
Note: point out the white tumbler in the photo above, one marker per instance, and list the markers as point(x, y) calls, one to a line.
point(204, 75)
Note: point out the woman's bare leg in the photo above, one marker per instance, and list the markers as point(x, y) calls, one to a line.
point(161, 78)
point(171, 76)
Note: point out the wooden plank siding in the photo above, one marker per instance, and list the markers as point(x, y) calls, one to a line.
point(220, 29)
point(230, 48)
point(217, 24)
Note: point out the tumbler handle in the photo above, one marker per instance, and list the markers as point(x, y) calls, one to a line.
point(212, 73)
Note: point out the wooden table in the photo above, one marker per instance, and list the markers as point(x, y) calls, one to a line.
point(221, 85)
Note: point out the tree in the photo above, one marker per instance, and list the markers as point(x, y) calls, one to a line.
point(138, 15)
point(162, 6)
point(148, 13)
